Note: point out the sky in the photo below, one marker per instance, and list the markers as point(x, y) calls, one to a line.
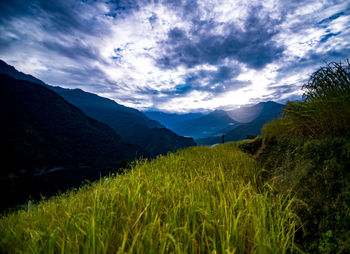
point(176, 56)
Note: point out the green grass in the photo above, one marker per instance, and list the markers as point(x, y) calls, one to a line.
point(325, 109)
point(198, 200)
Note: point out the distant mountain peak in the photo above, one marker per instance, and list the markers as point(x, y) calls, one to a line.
point(219, 113)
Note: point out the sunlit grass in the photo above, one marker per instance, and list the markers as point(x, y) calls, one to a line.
point(198, 200)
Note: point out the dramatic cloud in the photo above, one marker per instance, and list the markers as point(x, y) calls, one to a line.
point(176, 55)
point(251, 44)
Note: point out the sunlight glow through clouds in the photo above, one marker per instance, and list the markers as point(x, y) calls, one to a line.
point(184, 56)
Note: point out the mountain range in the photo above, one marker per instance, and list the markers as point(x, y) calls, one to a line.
point(130, 124)
point(248, 125)
point(171, 120)
point(234, 124)
point(205, 126)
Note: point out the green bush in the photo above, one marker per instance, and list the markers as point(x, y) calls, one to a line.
point(318, 118)
point(307, 151)
point(274, 128)
point(325, 109)
point(326, 106)
point(331, 81)
point(317, 172)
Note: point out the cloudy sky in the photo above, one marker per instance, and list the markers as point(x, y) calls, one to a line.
point(174, 55)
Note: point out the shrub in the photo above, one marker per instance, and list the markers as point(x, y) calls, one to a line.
point(316, 171)
point(331, 81)
point(325, 109)
point(274, 128)
point(307, 151)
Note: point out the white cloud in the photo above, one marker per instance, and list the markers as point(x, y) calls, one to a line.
point(116, 56)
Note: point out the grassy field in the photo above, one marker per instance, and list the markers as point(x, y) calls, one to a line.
point(198, 200)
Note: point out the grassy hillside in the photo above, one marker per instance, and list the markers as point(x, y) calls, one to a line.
point(197, 200)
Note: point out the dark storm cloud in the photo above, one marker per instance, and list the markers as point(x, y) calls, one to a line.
point(153, 19)
point(187, 9)
point(95, 78)
point(148, 91)
point(278, 91)
point(73, 49)
point(217, 82)
point(309, 61)
point(214, 77)
point(224, 73)
point(279, 94)
point(78, 71)
point(299, 66)
point(57, 30)
point(14, 8)
point(58, 26)
point(119, 8)
point(328, 35)
point(252, 45)
point(53, 16)
point(283, 88)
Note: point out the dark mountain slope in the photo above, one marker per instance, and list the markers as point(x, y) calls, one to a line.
point(43, 133)
point(158, 140)
point(131, 125)
point(119, 116)
point(270, 110)
point(11, 71)
point(41, 129)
